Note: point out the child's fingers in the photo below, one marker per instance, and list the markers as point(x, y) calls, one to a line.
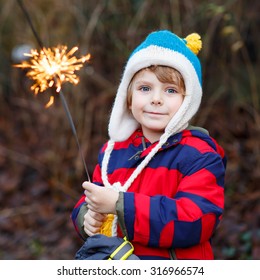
point(87, 193)
point(97, 216)
point(87, 185)
point(90, 230)
point(87, 199)
point(92, 222)
point(88, 189)
point(88, 218)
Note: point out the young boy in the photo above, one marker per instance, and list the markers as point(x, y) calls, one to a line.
point(163, 179)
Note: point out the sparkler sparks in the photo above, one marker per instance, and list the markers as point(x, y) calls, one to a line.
point(52, 67)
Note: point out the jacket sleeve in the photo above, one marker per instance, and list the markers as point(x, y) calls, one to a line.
point(187, 219)
point(80, 209)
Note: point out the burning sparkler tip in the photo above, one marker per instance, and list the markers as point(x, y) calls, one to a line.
point(52, 67)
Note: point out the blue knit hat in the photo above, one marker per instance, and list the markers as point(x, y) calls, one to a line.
point(166, 49)
point(168, 40)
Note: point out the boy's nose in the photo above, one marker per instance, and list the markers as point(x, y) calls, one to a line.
point(157, 98)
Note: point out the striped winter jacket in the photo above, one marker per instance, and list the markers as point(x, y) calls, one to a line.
point(174, 205)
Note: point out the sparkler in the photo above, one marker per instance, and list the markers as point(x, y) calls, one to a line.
point(51, 67)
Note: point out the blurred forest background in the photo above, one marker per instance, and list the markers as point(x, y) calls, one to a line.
point(41, 171)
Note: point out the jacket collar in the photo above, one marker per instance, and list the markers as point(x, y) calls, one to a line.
point(138, 139)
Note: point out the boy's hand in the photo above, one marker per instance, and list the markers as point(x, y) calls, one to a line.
point(100, 199)
point(93, 222)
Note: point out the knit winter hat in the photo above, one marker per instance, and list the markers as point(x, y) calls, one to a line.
point(166, 49)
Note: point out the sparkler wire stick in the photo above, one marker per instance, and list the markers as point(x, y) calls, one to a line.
point(27, 16)
point(65, 105)
point(64, 102)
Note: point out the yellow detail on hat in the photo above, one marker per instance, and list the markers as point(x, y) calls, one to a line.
point(194, 43)
point(106, 227)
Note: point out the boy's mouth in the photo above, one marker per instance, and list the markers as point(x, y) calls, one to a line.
point(154, 113)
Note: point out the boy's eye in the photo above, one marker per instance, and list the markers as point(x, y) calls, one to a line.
point(171, 90)
point(144, 88)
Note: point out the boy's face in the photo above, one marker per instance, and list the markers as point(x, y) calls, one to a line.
point(154, 103)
